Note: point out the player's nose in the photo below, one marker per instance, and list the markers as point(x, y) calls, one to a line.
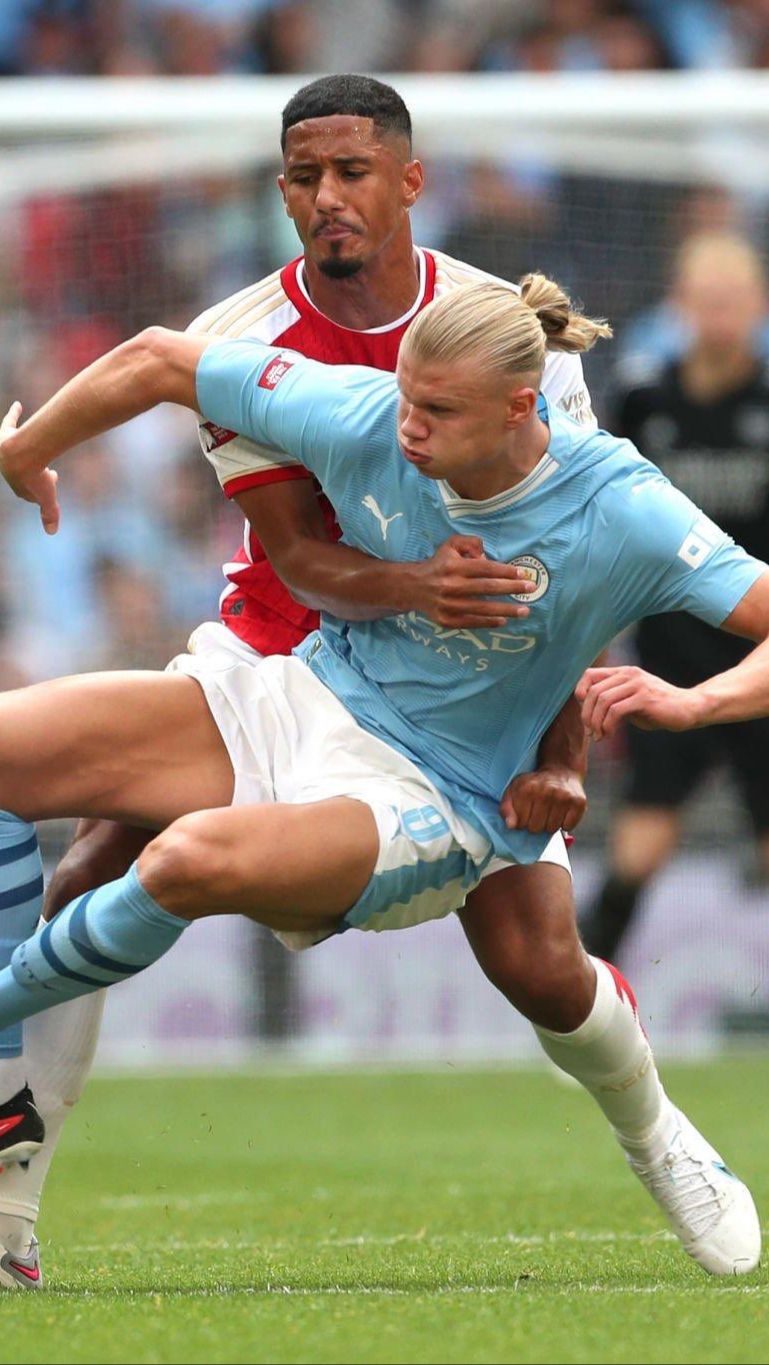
point(329, 198)
point(413, 427)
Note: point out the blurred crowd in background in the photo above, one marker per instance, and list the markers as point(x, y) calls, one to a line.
point(207, 37)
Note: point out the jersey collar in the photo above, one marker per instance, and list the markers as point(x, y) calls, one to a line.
point(372, 331)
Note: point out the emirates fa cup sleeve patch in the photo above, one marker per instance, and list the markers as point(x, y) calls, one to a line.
point(276, 370)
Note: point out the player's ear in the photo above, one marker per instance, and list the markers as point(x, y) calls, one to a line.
point(282, 187)
point(520, 405)
point(413, 182)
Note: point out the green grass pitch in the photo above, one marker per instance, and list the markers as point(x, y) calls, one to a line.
point(446, 1216)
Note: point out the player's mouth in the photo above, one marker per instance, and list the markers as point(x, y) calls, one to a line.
point(417, 457)
point(335, 232)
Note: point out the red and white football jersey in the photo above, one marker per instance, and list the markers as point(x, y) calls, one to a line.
point(278, 310)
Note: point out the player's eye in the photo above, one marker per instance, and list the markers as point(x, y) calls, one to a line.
point(354, 175)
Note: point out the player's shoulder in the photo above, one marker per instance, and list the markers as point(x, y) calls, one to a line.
point(634, 496)
point(259, 310)
point(452, 274)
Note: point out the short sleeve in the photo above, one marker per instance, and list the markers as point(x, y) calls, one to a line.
point(668, 556)
point(240, 464)
point(298, 412)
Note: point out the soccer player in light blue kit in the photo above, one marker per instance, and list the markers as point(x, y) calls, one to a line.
point(366, 773)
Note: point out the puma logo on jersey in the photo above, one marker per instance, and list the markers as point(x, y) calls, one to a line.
point(373, 506)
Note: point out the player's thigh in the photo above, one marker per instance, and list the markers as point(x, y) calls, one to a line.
point(521, 926)
point(130, 746)
point(518, 914)
point(287, 866)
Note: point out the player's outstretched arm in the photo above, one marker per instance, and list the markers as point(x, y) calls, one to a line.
point(156, 366)
point(611, 695)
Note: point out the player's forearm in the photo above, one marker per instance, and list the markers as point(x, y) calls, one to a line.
point(741, 693)
point(565, 744)
point(348, 583)
point(150, 368)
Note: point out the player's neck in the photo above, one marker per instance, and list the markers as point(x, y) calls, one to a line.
point(514, 464)
point(707, 376)
point(382, 291)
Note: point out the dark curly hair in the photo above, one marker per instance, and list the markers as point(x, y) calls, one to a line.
point(362, 95)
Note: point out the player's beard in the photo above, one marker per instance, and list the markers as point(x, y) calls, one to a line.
point(340, 267)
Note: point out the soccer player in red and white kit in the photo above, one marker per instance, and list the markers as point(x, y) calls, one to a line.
point(349, 181)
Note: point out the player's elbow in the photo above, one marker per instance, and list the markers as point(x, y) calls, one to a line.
point(151, 354)
point(291, 567)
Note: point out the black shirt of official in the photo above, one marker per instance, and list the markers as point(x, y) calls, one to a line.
point(718, 454)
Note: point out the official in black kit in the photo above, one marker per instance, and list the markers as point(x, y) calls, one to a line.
point(704, 419)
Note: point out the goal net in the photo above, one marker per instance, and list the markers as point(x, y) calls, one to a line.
point(132, 202)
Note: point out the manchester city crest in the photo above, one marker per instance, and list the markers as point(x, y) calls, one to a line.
point(535, 571)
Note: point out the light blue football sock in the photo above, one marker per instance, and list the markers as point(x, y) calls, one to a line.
point(105, 936)
point(21, 902)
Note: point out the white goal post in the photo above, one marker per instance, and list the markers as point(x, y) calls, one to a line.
point(669, 127)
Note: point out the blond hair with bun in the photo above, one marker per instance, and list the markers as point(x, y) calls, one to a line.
point(508, 331)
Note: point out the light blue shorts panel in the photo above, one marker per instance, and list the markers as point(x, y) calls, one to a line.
point(423, 871)
point(421, 878)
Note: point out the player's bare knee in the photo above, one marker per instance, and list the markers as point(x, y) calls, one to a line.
point(550, 980)
point(182, 868)
point(560, 1004)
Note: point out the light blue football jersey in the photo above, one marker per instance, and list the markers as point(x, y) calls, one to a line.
point(602, 533)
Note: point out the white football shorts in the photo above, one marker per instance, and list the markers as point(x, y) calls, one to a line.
point(290, 740)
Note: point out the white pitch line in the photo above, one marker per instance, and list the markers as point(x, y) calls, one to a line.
point(303, 1244)
point(571, 1235)
point(159, 1199)
point(507, 1238)
point(522, 1285)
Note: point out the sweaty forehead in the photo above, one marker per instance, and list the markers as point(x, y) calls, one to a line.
point(336, 135)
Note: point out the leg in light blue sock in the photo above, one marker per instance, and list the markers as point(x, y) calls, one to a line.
point(103, 937)
point(21, 902)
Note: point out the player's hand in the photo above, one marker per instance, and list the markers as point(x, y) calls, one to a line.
point(611, 695)
point(453, 583)
point(544, 801)
point(32, 485)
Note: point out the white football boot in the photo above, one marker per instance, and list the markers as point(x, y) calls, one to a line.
point(710, 1210)
point(21, 1272)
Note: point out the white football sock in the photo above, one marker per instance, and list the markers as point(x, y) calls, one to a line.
point(609, 1054)
point(59, 1048)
